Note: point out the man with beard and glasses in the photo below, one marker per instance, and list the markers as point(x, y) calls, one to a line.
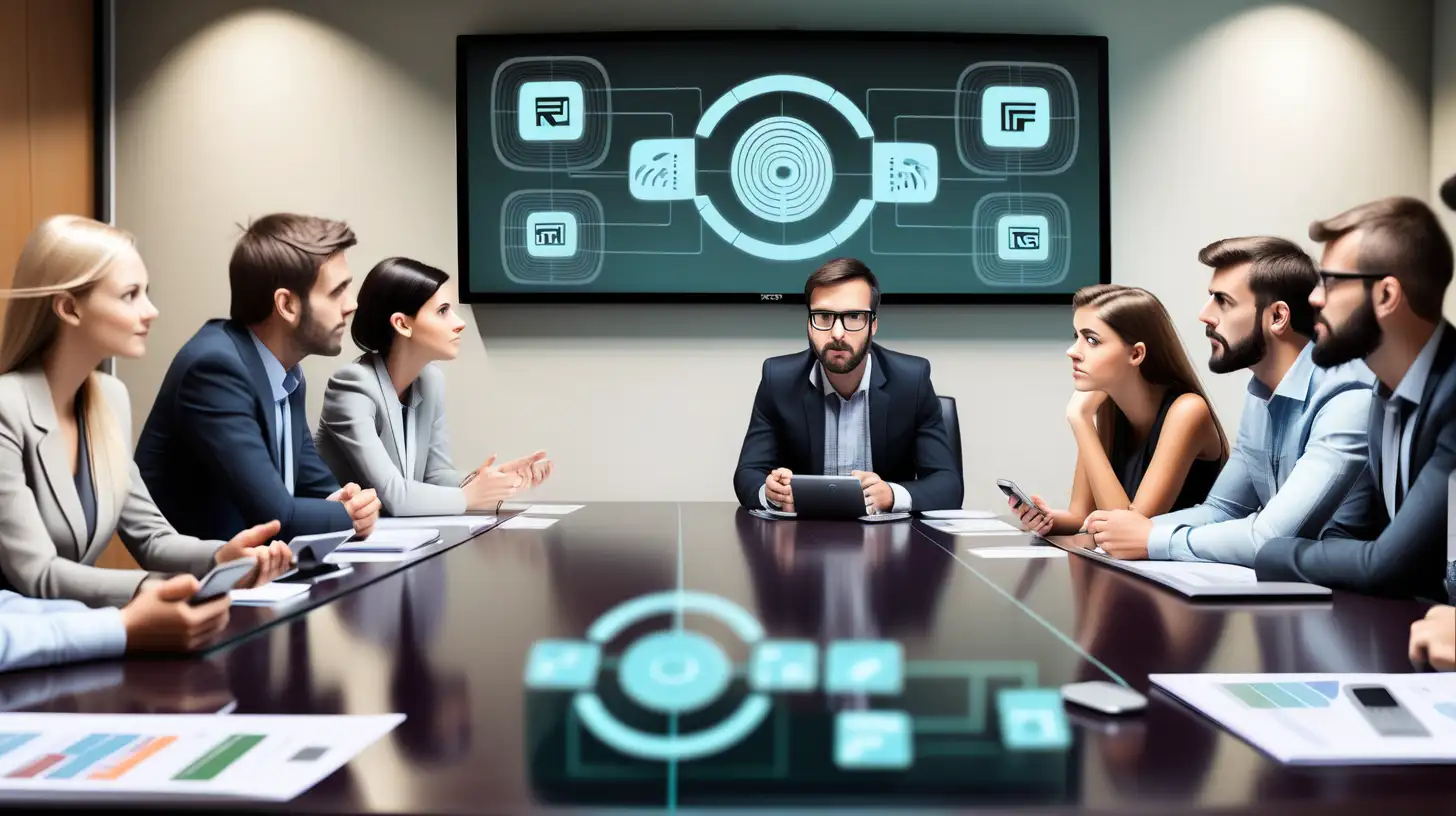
point(847, 407)
point(1385, 271)
point(227, 443)
point(1299, 463)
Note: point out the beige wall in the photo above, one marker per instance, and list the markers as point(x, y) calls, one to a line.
point(1226, 118)
point(1443, 114)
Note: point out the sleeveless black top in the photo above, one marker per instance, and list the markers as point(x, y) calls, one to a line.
point(1131, 461)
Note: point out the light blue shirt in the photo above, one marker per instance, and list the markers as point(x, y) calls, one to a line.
point(1300, 461)
point(1398, 426)
point(44, 632)
point(283, 383)
point(847, 433)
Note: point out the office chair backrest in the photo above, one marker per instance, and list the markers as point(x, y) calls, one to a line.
point(952, 429)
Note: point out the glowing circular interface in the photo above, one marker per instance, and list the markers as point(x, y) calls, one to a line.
point(674, 672)
point(782, 169)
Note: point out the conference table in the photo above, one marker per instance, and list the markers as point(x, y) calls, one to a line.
point(446, 640)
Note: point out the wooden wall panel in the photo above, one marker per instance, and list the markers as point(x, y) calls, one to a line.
point(15, 220)
point(47, 131)
point(62, 128)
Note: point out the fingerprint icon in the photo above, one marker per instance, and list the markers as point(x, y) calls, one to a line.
point(782, 170)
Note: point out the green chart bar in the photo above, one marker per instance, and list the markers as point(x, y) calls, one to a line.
point(214, 762)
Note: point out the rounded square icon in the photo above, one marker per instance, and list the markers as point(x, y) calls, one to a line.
point(1032, 719)
point(663, 170)
point(864, 667)
point(1015, 116)
point(904, 172)
point(551, 234)
point(784, 665)
point(873, 739)
point(550, 111)
point(1023, 238)
point(562, 664)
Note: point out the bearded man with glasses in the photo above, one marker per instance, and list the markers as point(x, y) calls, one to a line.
point(1383, 277)
point(847, 406)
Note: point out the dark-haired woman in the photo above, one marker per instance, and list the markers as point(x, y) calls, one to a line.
point(383, 420)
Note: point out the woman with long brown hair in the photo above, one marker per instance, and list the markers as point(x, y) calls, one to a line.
point(67, 482)
point(1147, 438)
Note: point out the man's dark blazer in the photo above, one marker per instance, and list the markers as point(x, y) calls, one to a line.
point(1408, 558)
point(208, 452)
point(908, 440)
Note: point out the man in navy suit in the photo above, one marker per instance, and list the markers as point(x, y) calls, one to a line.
point(848, 407)
point(1383, 277)
point(227, 443)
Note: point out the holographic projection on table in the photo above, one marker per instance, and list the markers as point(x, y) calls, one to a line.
point(705, 167)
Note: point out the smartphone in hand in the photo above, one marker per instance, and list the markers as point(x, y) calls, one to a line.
point(222, 579)
point(1011, 489)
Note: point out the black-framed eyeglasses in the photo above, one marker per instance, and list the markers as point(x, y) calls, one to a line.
point(1326, 276)
point(852, 321)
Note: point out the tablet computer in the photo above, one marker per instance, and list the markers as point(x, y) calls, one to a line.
point(828, 497)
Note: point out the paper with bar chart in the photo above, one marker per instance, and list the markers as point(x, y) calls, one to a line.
point(182, 756)
point(1330, 719)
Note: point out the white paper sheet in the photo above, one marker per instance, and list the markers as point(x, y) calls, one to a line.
point(527, 523)
point(268, 594)
point(553, 509)
point(1017, 552)
point(975, 527)
point(1195, 573)
point(1314, 719)
point(187, 757)
point(958, 514)
point(475, 523)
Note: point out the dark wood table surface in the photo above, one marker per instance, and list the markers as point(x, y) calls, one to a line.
point(445, 641)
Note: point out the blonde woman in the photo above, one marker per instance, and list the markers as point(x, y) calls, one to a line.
point(67, 482)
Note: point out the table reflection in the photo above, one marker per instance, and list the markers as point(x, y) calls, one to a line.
point(402, 616)
point(833, 581)
point(1137, 632)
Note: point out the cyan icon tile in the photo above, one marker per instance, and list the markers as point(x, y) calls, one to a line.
point(870, 740)
point(563, 664)
point(1033, 719)
point(550, 111)
point(784, 665)
point(864, 667)
point(1015, 117)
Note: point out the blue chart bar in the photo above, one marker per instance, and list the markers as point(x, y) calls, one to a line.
point(9, 742)
point(95, 749)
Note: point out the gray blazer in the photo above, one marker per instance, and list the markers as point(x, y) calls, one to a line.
point(364, 439)
point(43, 548)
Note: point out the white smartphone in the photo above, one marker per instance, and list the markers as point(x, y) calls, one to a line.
point(1108, 698)
point(222, 579)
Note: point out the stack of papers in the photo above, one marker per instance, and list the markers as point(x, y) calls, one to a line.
point(392, 539)
point(270, 594)
point(1042, 551)
point(957, 514)
point(543, 509)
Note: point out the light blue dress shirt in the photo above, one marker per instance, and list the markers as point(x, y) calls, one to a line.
point(44, 632)
point(1300, 461)
point(847, 433)
point(283, 383)
point(1398, 427)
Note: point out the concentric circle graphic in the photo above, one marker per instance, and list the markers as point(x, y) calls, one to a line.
point(782, 169)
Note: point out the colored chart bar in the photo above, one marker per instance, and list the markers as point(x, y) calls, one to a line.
point(147, 750)
point(38, 767)
point(217, 760)
point(9, 742)
point(96, 753)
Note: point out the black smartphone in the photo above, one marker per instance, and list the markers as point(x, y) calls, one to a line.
point(1011, 489)
point(222, 579)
